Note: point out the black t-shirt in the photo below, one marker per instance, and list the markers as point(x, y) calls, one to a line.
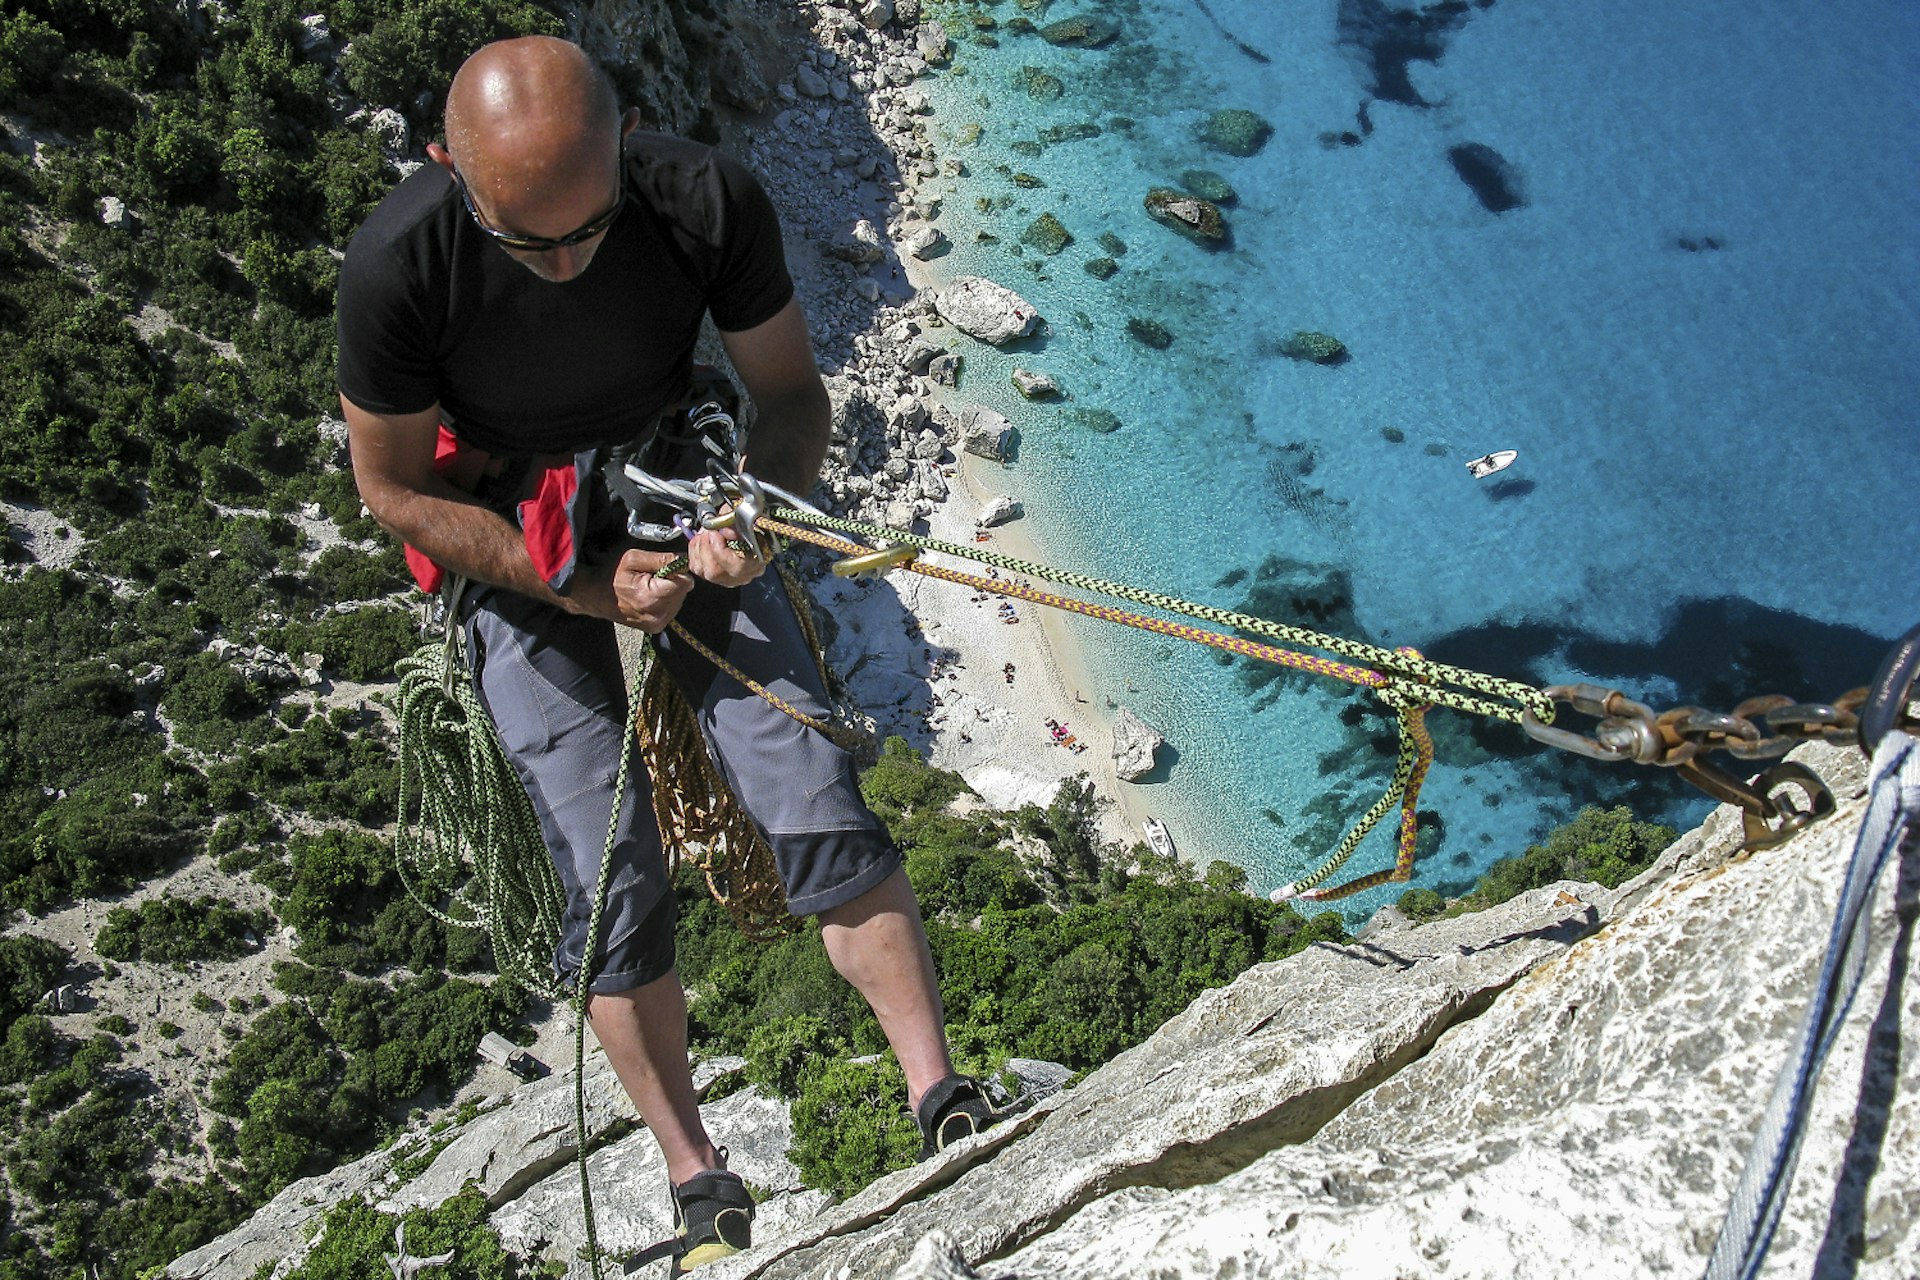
point(431, 312)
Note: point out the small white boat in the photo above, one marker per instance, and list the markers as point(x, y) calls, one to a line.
point(1157, 838)
point(1487, 464)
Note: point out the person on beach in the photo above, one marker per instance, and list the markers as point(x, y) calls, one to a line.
point(534, 292)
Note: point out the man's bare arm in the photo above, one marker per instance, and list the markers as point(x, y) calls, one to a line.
point(393, 466)
point(794, 423)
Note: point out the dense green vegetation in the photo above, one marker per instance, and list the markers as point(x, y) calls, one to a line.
point(169, 929)
point(162, 386)
point(1604, 846)
point(357, 1240)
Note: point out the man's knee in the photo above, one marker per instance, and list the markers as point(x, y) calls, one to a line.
point(643, 954)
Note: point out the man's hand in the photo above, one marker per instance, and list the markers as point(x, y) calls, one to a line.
point(632, 594)
point(717, 562)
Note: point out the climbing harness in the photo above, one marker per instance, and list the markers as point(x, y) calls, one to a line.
point(1890, 825)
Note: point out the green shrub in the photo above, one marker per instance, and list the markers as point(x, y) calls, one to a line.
point(1421, 904)
point(356, 1241)
point(29, 968)
point(1605, 846)
point(850, 1125)
point(778, 1053)
point(167, 930)
point(28, 1050)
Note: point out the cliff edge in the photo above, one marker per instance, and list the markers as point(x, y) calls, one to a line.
point(1563, 1084)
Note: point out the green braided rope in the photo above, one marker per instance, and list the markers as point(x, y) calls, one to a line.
point(1402, 773)
point(462, 805)
point(1427, 672)
point(585, 975)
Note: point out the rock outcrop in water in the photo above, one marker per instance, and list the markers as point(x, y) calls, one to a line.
point(1494, 181)
point(1191, 216)
point(1236, 131)
point(1564, 1084)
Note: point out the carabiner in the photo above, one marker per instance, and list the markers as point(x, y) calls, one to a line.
point(1626, 731)
point(875, 562)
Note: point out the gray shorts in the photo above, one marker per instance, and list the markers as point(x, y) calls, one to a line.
point(554, 686)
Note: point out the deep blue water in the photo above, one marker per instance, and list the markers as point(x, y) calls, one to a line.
point(1665, 250)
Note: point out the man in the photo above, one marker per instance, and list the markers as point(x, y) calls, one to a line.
point(536, 291)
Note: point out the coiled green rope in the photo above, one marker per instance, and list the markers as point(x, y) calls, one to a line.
point(463, 808)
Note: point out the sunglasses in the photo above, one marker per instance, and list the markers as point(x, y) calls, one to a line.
point(544, 244)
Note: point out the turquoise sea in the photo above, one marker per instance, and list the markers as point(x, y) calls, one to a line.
point(1663, 248)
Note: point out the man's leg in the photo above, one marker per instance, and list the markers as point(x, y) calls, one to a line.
point(835, 856)
point(644, 1033)
point(553, 685)
point(878, 944)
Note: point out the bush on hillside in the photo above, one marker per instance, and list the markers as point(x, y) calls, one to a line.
point(167, 929)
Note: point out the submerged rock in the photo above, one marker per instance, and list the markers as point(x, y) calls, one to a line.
point(1084, 32)
point(1191, 216)
point(1035, 386)
point(1495, 183)
point(1149, 333)
point(1047, 234)
point(1103, 421)
point(1100, 268)
point(1208, 185)
point(1055, 134)
point(1236, 131)
point(985, 310)
point(1041, 86)
point(1112, 243)
point(1320, 348)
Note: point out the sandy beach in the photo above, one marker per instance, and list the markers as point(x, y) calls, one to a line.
point(928, 660)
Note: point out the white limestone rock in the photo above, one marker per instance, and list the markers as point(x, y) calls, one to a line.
point(984, 433)
point(990, 312)
point(391, 130)
point(630, 1186)
point(1259, 1064)
point(926, 242)
point(315, 35)
point(115, 215)
point(920, 356)
point(810, 83)
point(999, 511)
point(1134, 744)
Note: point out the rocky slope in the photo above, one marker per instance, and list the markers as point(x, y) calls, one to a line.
point(1564, 1084)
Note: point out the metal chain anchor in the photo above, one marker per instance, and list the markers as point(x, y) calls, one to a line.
point(1774, 804)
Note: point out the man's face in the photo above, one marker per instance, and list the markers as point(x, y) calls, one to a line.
point(567, 214)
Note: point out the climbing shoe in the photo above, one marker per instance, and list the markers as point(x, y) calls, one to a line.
point(713, 1216)
point(955, 1108)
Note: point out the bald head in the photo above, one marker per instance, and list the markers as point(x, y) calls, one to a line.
point(527, 113)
